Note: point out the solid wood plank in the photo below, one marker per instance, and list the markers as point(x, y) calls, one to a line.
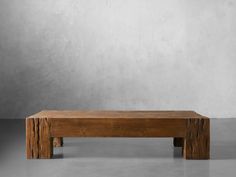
point(189, 129)
point(197, 139)
point(118, 127)
point(38, 139)
point(117, 114)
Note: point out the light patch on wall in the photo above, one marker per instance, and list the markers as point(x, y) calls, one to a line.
point(117, 54)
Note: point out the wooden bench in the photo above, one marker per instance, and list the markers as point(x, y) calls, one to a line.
point(190, 130)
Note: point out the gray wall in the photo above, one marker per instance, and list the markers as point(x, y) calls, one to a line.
point(117, 54)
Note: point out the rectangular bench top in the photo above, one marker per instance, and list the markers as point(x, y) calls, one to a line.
point(116, 114)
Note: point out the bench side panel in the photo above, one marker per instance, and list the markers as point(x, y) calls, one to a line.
point(118, 127)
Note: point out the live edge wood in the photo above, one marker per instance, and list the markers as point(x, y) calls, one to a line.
point(190, 130)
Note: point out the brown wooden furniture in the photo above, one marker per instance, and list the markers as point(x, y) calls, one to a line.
point(190, 130)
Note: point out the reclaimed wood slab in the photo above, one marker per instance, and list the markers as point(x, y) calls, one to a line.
point(46, 129)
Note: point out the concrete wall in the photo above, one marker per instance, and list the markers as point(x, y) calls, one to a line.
point(117, 54)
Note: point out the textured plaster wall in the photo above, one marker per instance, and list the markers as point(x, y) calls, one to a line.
point(117, 54)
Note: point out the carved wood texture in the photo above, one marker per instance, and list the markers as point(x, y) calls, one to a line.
point(197, 140)
point(38, 139)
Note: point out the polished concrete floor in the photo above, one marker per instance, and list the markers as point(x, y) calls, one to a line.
point(118, 157)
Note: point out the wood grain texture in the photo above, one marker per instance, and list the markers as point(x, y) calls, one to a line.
point(38, 139)
point(115, 127)
point(57, 142)
point(190, 130)
point(197, 139)
point(116, 114)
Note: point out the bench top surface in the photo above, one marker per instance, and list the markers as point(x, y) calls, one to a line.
point(116, 114)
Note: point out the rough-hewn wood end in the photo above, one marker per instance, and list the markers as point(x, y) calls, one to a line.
point(197, 140)
point(38, 141)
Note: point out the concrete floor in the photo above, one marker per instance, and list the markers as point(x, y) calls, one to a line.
point(118, 157)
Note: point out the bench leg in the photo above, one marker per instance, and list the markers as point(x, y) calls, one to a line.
point(178, 142)
point(38, 141)
point(197, 140)
point(57, 142)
